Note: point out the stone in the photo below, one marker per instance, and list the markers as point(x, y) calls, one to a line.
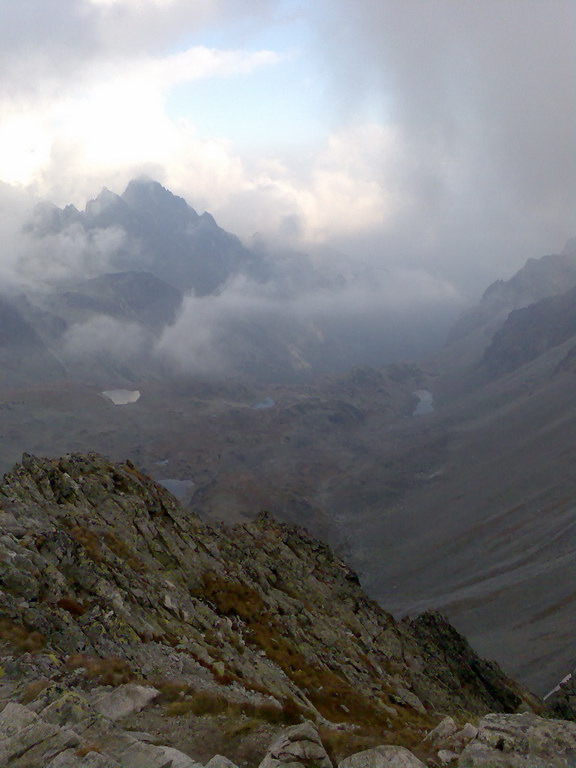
point(446, 756)
point(179, 759)
point(70, 759)
point(140, 755)
point(22, 731)
point(382, 757)
point(461, 738)
point(406, 697)
point(124, 700)
point(296, 745)
point(445, 729)
point(70, 708)
point(525, 740)
point(219, 761)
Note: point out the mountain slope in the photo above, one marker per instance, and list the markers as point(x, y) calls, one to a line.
point(100, 560)
point(24, 357)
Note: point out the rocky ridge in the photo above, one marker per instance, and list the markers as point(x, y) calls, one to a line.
point(113, 600)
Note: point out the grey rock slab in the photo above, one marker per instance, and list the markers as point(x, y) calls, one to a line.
point(140, 755)
point(446, 756)
point(15, 718)
point(525, 740)
point(179, 759)
point(124, 700)
point(382, 757)
point(22, 732)
point(219, 761)
point(480, 756)
point(70, 759)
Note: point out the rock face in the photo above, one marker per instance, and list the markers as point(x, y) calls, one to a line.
point(539, 278)
point(532, 331)
point(521, 741)
point(57, 736)
point(112, 595)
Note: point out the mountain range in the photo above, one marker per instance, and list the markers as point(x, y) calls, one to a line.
point(467, 509)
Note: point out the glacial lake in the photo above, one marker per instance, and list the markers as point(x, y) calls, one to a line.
point(122, 396)
point(426, 404)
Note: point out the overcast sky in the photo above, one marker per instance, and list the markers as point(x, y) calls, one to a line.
point(433, 135)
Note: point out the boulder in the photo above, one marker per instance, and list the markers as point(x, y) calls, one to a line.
point(523, 741)
point(124, 700)
point(461, 738)
point(219, 761)
point(445, 729)
point(382, 757)
point(299, 744)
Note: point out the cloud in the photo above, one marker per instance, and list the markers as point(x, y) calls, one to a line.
point(315, 326)
point(447, 124)
point(479, 95)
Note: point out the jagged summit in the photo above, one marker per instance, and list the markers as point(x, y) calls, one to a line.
point(163, 235)
point(538, 279)
point(150, 198)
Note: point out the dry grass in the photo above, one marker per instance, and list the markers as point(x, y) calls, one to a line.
point(89, 540)
point(109, 671)
point(333, 696)
point(183, 699)
point(85, 749)
point(20, 637)
point(92, 543)
point(340, 744)
point(232, 597)
point(124, 552)
point(74, 607)
point(32, 690)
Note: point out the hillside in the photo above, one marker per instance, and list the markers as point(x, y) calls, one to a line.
point(107, 581)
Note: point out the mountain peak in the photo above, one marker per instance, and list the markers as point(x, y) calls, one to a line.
point(148, 196)
point(100, 208)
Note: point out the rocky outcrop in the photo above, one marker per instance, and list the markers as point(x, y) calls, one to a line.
point(521, 741)
point(70, 731)
point(299, 746)
point(113, 599)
